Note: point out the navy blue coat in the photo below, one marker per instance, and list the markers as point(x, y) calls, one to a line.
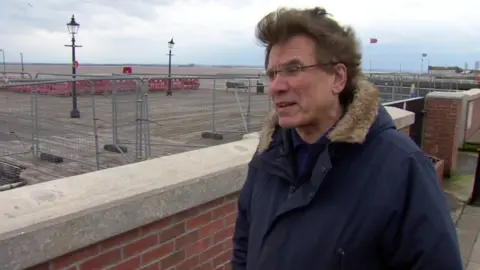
point(372, 202)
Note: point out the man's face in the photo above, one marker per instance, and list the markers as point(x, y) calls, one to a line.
point(300, 89)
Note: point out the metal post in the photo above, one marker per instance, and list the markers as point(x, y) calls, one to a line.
point(213, 107)
point(475, 197)
point(140, 122)
point(148, 144)
point(137, 113)
point(169, 90)
point(249, 104)
point(245, 125)
point(145, 126)
point(32, 115)
point(37, 137)
point(73, 30)
point(75, 113)
point(95, 131)
point(114, 118)
point(393, 92)
point(4, 64)
point(421, 66)
point(144, 121)
point(21, 60)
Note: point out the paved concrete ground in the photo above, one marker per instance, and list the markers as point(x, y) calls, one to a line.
point(468, 229)
point(467, 218)
point(175, 123)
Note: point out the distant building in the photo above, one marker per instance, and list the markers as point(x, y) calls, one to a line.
point(434, 70)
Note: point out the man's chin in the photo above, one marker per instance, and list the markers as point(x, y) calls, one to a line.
point(288, 122)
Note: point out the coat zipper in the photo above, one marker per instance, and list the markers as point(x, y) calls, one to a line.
point(341, 253)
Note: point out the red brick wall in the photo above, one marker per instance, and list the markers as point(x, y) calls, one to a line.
point(199, 238)
point(441, 130)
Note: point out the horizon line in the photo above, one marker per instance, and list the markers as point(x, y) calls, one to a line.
point(131, 64)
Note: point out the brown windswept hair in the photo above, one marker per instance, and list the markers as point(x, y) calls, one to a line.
point(334, 43)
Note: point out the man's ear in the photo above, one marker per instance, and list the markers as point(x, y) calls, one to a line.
point(340, 79)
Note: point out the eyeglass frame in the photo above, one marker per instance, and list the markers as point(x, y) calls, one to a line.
point(282, 71)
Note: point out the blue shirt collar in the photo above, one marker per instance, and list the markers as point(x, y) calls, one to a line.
point(298, 142)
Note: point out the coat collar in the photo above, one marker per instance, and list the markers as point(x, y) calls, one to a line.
point(353, 127)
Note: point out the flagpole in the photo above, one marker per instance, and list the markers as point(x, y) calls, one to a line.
point(423, 55)
point(372, 41)
point(421, 66)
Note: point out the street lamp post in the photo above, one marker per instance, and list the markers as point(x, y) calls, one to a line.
point(21, 61)
point(171, 44)
point(3, 58)
point(73, 30)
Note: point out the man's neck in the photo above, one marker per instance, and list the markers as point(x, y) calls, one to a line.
point(312, 133)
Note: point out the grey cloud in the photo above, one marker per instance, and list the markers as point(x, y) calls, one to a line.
point(142, 9)
point(20, 16)
point(17, 16)
point(52, 15)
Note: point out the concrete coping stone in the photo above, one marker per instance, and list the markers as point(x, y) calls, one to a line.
point(46, 220)
point(253, 135)
point(473, 94)
point(446, 95)
point(401, 118)
point(468, 95)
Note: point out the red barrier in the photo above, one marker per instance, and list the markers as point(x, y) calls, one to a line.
point(104, 86)
point(186, 83)
point(192, 84)
point(156, 85)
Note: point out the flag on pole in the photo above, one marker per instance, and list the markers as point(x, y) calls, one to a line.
point(373, 40)
point(424, 55)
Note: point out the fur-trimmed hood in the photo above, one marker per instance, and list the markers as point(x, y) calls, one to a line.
point(352, 127)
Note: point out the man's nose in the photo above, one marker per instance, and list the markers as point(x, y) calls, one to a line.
point(277, 85)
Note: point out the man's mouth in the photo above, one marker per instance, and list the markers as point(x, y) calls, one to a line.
point(285, 104)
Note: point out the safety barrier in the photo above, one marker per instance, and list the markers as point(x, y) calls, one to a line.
point(103, 86)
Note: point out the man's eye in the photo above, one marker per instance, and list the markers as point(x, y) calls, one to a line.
point(292, 70)
point(270, 74)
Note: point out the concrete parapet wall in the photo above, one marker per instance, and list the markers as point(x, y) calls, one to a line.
point(401, 118)
point(177, 210)
point(47, 220)
point(471, 123)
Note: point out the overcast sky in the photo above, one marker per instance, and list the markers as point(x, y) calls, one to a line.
point(222, 31)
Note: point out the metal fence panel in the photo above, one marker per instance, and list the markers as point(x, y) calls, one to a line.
point(16, 126)
point(62, 145)
point(128, 118)
point(120, 122)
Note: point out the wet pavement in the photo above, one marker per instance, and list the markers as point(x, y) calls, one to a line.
point(458, 189)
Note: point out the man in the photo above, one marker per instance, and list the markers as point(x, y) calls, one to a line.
point(334, 185)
